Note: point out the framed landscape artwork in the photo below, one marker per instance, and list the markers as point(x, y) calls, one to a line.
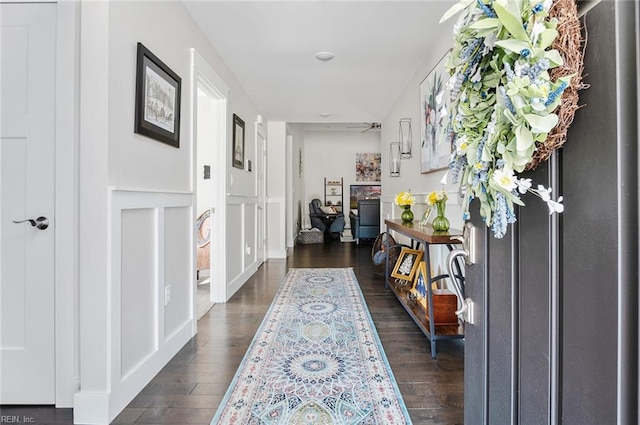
point(157, 108)
point(435, 140)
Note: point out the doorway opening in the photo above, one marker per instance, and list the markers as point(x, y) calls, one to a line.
point(210, 96)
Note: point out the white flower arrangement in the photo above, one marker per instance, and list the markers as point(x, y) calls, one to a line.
point(502, 101)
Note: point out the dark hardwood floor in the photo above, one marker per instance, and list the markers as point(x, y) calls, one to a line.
point(189, 389)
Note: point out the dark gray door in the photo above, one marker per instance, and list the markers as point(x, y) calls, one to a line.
point(555, 333)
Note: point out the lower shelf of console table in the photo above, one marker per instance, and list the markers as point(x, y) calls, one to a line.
point(420, 316)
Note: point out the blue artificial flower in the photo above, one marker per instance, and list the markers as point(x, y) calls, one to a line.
point(537, 8)
point(457, 85)
point(554, 94)
point(470, 48)
point(487, 10)
point(525, 53)
point(506, 99)
point(456, 165)
point(499, 219)
point(539, 67)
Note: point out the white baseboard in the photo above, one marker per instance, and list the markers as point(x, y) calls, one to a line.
point(100, 408)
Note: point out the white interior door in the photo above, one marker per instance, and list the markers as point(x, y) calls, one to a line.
point(27, 126)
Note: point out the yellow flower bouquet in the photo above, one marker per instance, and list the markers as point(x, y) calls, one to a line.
point(406, 200)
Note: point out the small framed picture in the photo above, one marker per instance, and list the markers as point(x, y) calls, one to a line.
point(425, 217)
point(157, 109)
point(238, 142)
point(419, 289)
point(407, 264)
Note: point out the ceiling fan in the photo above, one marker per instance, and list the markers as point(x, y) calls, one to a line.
point(367, 126)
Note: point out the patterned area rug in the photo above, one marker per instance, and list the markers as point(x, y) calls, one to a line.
point(315, 360)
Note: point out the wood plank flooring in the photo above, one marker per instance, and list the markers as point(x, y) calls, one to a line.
point(189, 389)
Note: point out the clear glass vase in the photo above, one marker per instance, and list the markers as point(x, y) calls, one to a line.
point(440, 223)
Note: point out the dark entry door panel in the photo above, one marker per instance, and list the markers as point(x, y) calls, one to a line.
point(554, 338)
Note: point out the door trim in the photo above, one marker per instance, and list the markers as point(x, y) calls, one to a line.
point(65, 223)
point(203, 74)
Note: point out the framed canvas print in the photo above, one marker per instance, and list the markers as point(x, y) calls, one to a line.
point(157, 108)
point(435, 140)
point(407, 264)
point(368, 167)
point(238, 142)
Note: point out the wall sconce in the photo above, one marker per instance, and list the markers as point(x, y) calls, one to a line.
point(405, 137)
point(394, 159)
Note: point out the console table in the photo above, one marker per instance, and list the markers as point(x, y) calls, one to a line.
point(426, 236)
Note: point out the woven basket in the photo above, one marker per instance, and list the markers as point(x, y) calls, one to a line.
point(378, 262)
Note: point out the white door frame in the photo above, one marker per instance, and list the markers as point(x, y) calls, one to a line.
point(203, 75)
point(66, 250)
point(261, 185)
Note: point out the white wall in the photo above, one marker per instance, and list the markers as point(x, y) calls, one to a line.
point(332, 154)
point(276, 189)
point(408, 106)
point(297, 206)
point(206, 133)
point(137, 206)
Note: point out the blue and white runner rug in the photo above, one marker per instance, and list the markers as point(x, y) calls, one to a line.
point(315, 360)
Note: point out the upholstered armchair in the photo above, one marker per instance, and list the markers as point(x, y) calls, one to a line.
point(365, 222)
point(330, 222)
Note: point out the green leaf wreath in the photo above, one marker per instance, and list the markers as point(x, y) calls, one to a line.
point(502, 101)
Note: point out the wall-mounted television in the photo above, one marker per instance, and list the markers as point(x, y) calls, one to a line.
point(363, 191)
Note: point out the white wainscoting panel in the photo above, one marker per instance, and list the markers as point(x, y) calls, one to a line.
point(276, 228)
point(177, 268)
point(151, 246)
point(138, 291)
point(235, 241)
point(242, 231)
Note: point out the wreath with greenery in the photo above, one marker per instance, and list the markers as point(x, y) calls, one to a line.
point(505, 100)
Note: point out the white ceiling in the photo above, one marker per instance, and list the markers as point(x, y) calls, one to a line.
point(270, 47)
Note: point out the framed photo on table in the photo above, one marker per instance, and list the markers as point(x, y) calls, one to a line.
point(435, 140)
point(419, 289)
point(157, 107)
point(407, 264)
point(238, 142)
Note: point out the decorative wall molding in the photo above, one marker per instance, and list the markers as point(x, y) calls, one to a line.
point(168, 338)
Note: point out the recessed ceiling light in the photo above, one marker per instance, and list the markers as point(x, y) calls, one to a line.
point(324, 114)
point(325, 56)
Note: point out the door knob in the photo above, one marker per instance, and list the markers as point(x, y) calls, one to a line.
point(469, 251)
point(39, 223)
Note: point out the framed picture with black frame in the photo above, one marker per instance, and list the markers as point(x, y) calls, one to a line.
point(237, 153)
point(157, 106)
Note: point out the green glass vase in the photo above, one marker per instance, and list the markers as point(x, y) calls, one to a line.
point(440, 223)
point(407, 215)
